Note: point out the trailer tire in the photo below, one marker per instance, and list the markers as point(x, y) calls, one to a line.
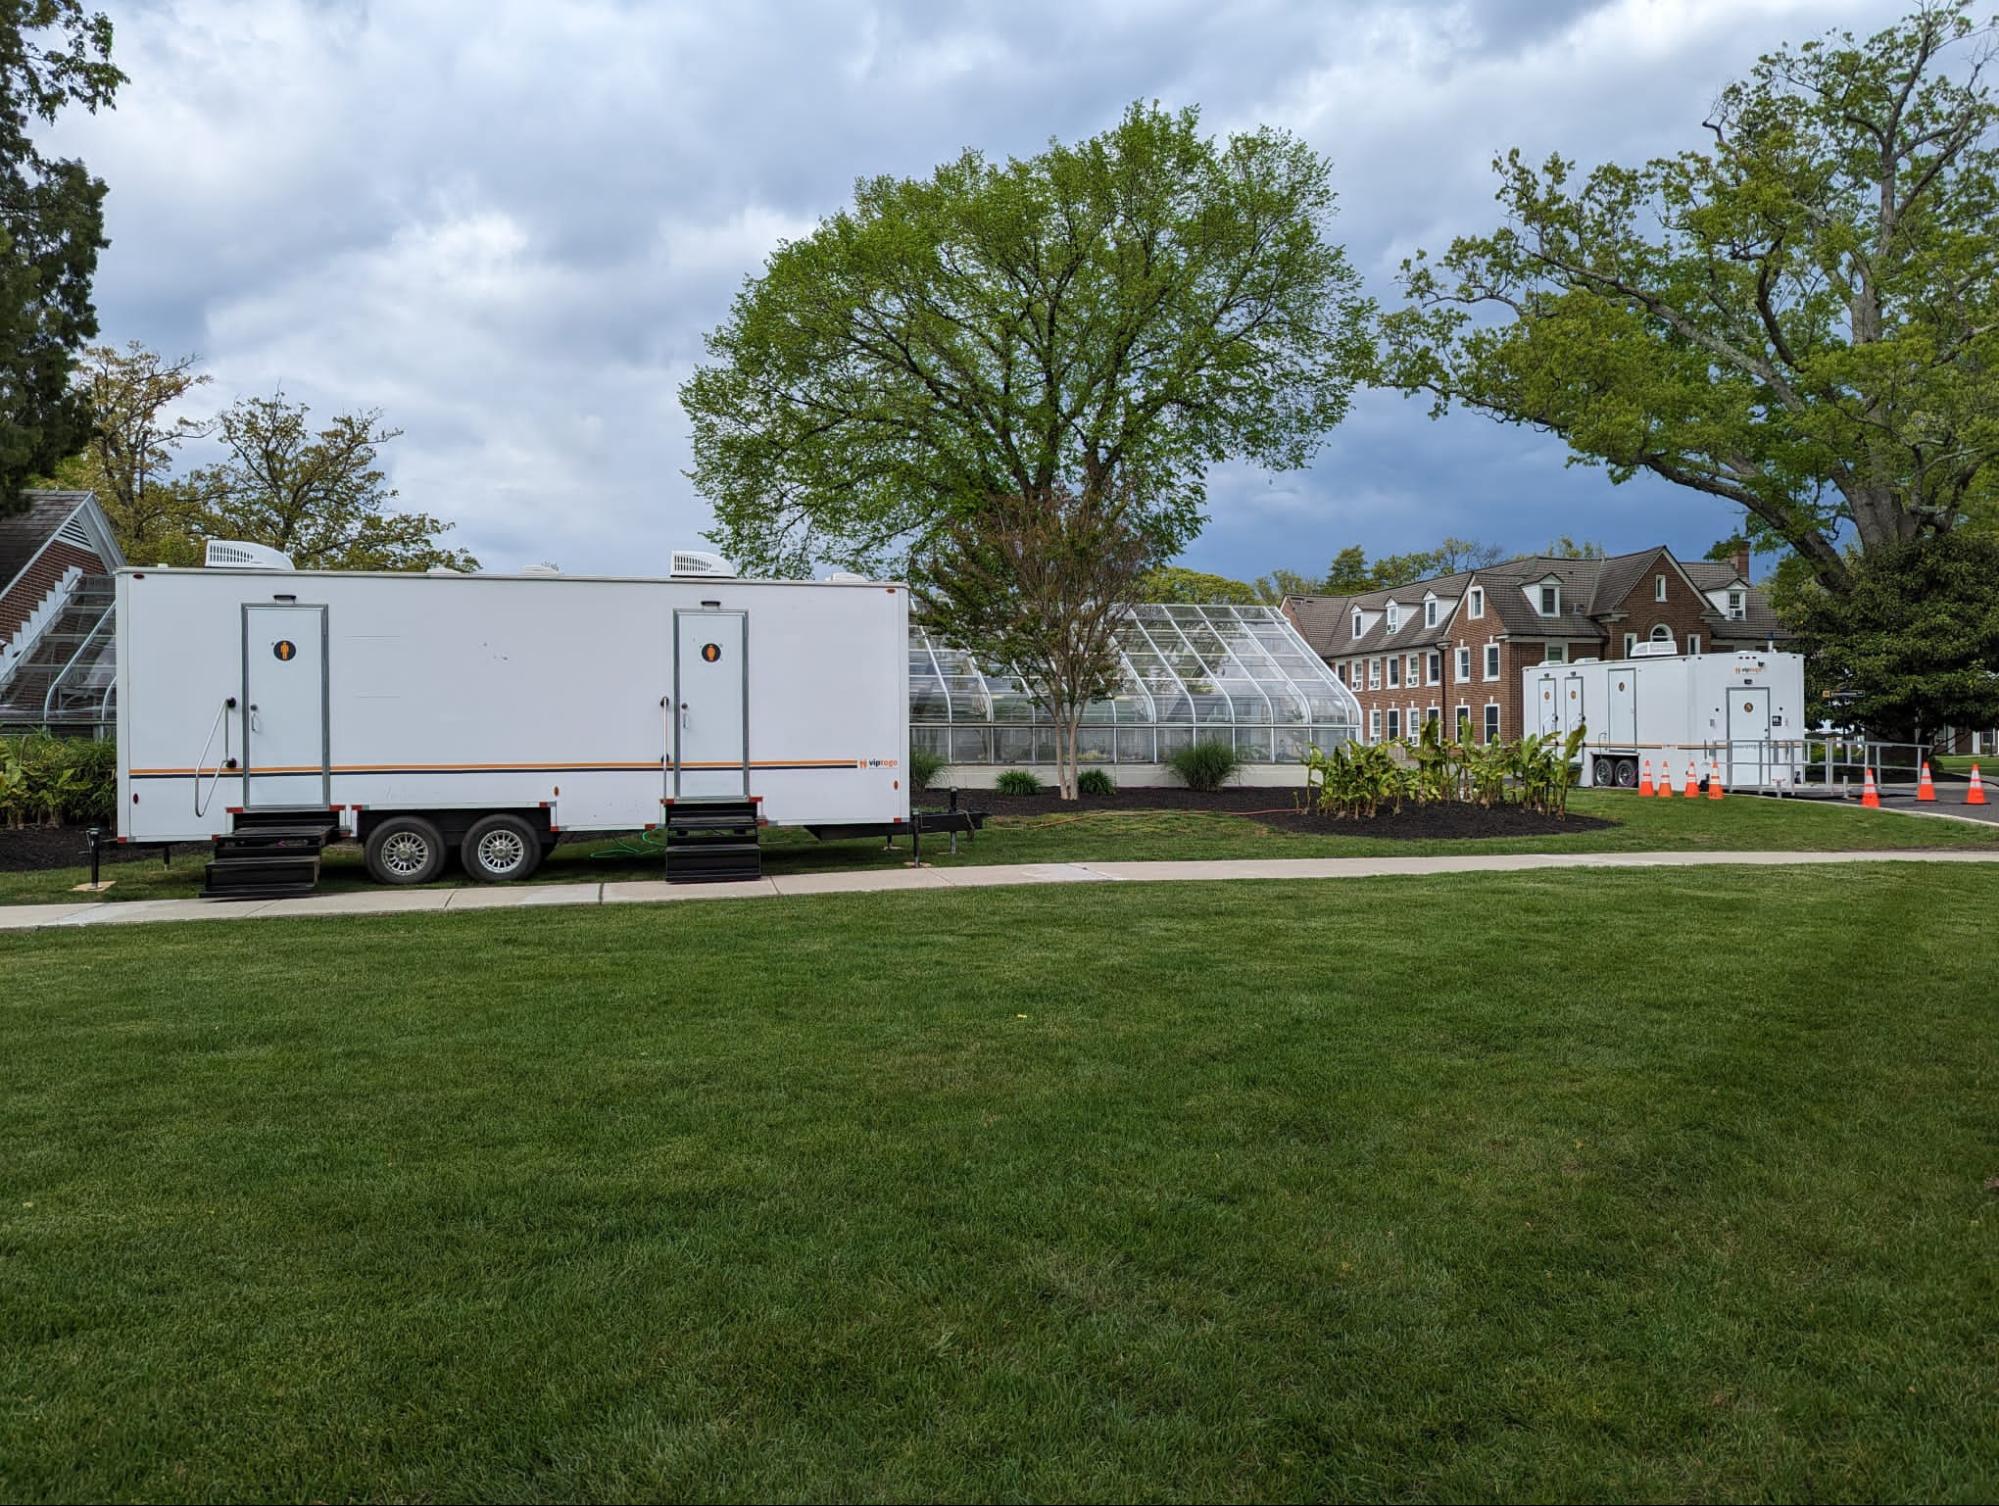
point(1604, 772)
point(500, 849)
point(405, 850)
point(1627, 773)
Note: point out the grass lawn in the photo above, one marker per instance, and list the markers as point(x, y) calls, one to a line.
point(1737, 824)
point(1666, 1185)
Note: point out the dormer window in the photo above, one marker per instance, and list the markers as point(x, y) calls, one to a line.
point(1356, 623)
point(1475, 601)
point(1394, 616)
point(1429, 611)
point(1551, 601)
point(1737, 606)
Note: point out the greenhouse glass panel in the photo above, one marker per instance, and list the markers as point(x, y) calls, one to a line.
point(1230, 673)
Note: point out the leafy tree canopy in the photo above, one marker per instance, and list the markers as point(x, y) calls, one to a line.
point(1912, 644)
point(1803, 319)
point(133, 441)
point(1352, 572)
point(315, 493)
point(1138, 306)
point(1178, 583)
point(52, 54)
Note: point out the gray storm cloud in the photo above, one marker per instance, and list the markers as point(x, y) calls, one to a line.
point(510, 224)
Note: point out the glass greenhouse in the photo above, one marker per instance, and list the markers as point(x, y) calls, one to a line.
point(1191, 673)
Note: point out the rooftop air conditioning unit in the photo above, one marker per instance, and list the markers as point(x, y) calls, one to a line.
point(544, 568)
point(1656, 648)
point(234, 554)
point(699, 562)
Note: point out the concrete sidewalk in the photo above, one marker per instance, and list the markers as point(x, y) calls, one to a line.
point(889, 880)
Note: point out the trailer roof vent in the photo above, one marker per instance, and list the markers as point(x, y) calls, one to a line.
point(544, 568)
point(234, 554)
point(699, 562)
point(847, 578)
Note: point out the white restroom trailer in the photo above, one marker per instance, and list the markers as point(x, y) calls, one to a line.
point(1743, 712)
point(536, 703)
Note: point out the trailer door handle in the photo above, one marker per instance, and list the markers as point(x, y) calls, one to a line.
point(683, 716)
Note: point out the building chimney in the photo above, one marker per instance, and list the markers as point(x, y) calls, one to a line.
point(1742, 559)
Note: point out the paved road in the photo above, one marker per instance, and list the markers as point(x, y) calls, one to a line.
point(875, 881)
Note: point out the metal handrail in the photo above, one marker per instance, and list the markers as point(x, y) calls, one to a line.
point(48, 698)
point(221, 715)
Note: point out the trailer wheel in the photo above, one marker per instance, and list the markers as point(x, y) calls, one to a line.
point(1627, 773)
point(405, 850)
point(500, 849)
point(1604, 772)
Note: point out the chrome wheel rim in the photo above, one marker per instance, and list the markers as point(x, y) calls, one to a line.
point(501, 851)
point(405, 854)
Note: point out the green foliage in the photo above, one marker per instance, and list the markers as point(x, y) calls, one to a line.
point(129, 454)
point(1018, 782)
point(1146, 303)
point(1195, 587)
point(1205, 765)
point(52, 54)
point(1913, 644)
point(1095, 782)
point(925, 764)
point(1357, 779)
point(1803, 320)
point(1352, 573)
point(317, 494)
point(53, 781)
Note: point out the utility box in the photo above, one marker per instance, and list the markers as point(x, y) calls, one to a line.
point(1742, 712)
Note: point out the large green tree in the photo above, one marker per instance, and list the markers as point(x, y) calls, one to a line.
point(52, 53)
point(1912, 645)
point(1802, 318)
point(1135, 307)
point(1178, 583)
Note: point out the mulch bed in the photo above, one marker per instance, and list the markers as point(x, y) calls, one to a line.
point(35, 847)
point(1289, 810)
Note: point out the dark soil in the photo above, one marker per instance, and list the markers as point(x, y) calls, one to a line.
point(35, 847)
point(1290, 810)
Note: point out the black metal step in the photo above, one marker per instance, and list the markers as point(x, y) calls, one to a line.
point(714, 862)
point(273, 838)
point(267, 877)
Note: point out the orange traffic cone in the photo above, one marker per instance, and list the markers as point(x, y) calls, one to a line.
point(1976, 794)
point(1870, 796)
point(1713, 780)
point(1645, 778)
point(1925, 789)
point(1664, 788)
point(1692, 788)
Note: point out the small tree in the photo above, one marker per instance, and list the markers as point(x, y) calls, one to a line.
point(1178, 583)
point(1041, 583)
point(317, 494)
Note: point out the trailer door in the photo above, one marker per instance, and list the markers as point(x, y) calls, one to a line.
point(1572, 704)
point(285, 744)
point(1547, 711)
point(1748, 735)
point(711, 693)
point(1620, 722)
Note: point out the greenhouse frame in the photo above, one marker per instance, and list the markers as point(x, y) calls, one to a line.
point(1235, 674)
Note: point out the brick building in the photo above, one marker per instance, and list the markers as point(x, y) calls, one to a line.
point(1453, 646)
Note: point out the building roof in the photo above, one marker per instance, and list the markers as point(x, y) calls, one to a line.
point(1590, 588)
point(22, 534)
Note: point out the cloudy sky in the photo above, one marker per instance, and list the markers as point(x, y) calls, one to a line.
point(508, 225)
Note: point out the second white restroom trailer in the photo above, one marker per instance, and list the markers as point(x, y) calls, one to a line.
point(426, 714)
point(1744, 712)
